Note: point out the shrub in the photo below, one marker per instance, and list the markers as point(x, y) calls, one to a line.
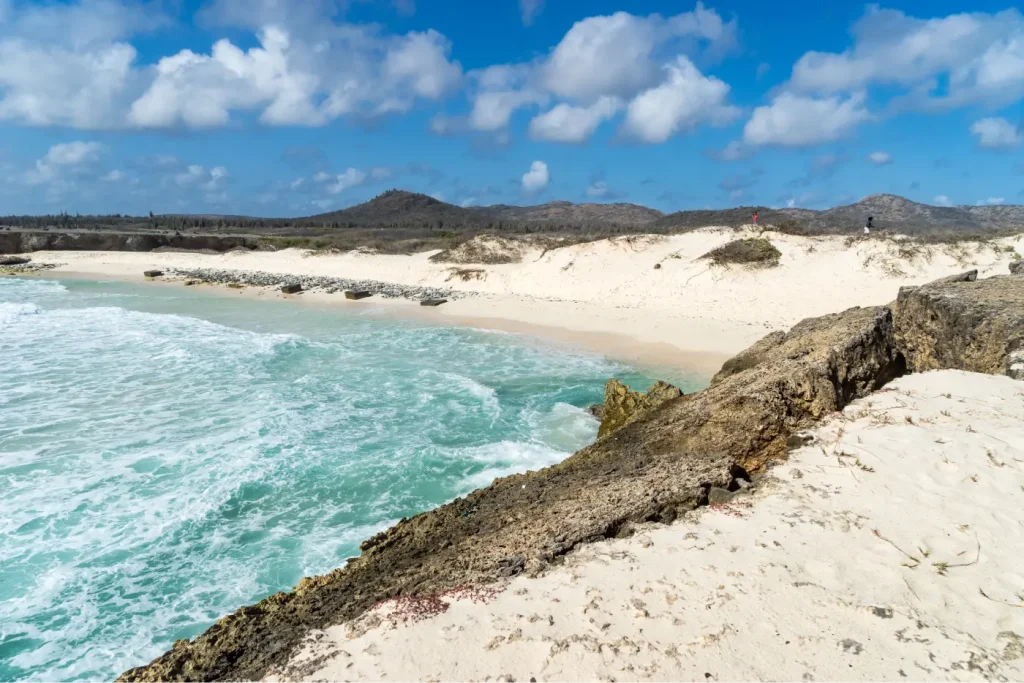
point(756, 252)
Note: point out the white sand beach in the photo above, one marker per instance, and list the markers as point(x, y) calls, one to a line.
point(886, 549)
point(640, 297)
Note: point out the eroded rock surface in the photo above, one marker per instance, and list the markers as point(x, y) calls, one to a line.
point(654, 468)
point(622, 405)
point(961, 323)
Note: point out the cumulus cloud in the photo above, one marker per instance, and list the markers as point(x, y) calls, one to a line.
point(537, 178)
point(685, 99)
point(568, 123)
point(293, 83)
point(794, 120)
point(980, 55)
point(880, 158)
point(601, 60)
point(942, 200)
point(336, 184)
point(615, 55)
point(71, 65)
point(996, 133)
point(992, 201)
point(62, 157)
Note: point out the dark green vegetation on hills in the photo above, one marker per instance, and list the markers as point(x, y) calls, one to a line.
point(417, 216)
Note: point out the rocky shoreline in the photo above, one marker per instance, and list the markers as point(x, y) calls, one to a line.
point(330, 285)
point(658, 464)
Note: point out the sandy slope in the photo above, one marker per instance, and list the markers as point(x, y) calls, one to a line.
point(612, 288)
point(889, 548)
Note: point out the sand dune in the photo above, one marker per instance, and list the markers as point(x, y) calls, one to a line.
point(886, 549)
point(610, 294)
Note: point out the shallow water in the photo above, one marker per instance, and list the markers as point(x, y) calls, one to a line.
point(168, 456)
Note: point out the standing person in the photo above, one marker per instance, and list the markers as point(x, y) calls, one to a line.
point(869, 225)
point(755, 218)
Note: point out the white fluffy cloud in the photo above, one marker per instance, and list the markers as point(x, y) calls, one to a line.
point(600, 62)
point(942, 200)
point(336, 184)
point(67, 156)
point(537, 178)
point(685, 99)
point(880, 158)
point(992, 201)
point(71, 65)
point(996, 133)
point(794, 120)
point(294, 83)
point(568, 123)
point(980, 55)
point(615, 55)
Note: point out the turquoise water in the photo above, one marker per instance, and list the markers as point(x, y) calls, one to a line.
point(169, 456)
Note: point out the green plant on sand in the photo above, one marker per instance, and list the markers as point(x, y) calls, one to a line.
point(757, 252)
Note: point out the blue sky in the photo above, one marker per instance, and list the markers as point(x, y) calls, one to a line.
point(267, 107)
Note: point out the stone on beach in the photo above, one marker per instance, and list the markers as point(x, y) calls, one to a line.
point(963, 323)
point(355, 295)
point(292, 288)
point(13, 261)
point(153, 273)
point(432, 302)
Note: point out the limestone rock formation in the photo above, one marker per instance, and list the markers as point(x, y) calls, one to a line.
point(655, 468)
point(622, 405)
point(1017, 267)
point(964, 324)
point(13, 261)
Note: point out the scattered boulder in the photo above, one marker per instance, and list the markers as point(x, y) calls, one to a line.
point(622, 405)
point(355, 295)
point(720, 496)
point(963, 323)
point(192, 283)
point(597, 410)
point(292, 288)
point(433, 302)
point(153, 273)
point(657, 266)
point(13, 260)
point(1017, 267)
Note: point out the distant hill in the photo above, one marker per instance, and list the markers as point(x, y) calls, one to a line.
point(567, 212)
point(398, 207)
point(890, 212)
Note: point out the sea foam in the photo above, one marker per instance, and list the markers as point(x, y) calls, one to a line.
point(168, 457)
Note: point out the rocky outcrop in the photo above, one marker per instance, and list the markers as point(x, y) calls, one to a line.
point(622, 405)
point(654, 468)
point(1017, 267)
point(24, 242)
point(13, 261)
point(963, 323)
point(330, 285)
